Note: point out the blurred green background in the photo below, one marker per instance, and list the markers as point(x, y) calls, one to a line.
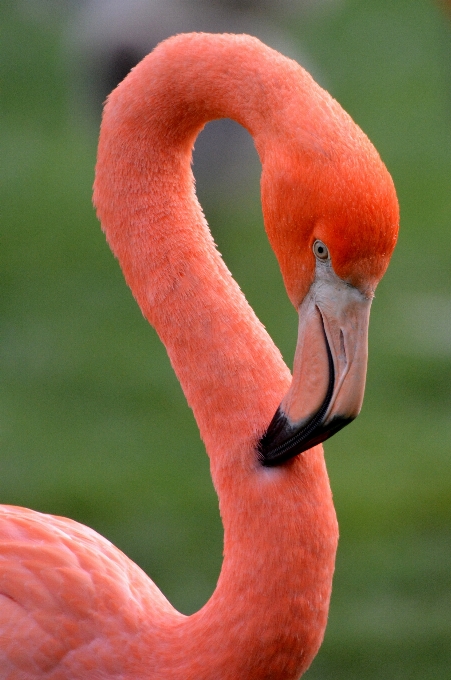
point(93, 423)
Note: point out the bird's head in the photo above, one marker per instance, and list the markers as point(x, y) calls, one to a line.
point(331, 215)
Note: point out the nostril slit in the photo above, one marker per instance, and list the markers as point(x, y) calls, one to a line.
point(342, 345)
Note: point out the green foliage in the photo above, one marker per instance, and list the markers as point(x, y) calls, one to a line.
point(93, 424)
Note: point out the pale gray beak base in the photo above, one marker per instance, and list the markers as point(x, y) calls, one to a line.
point(329, 369)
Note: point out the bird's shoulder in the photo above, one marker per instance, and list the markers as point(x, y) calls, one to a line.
point(68, 599)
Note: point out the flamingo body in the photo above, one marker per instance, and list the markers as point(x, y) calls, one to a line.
point(69, 599)
point(72, 605)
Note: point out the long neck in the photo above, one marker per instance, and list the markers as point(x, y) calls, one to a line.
point(267, 615)
point(231, 373)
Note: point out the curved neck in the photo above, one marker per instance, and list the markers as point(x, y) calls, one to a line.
point(145, 196)
point(267, 615)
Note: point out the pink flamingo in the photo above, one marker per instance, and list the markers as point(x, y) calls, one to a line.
point(71, 604)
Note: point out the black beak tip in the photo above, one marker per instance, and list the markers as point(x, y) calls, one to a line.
point(282, 441)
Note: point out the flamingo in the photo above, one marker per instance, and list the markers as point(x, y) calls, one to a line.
point(71, 604)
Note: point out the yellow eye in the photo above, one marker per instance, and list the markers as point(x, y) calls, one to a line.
point(321, 251)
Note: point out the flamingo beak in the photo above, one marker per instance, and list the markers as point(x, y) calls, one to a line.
point(329, 369)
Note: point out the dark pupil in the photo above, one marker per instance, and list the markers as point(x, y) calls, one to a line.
point(320, 250)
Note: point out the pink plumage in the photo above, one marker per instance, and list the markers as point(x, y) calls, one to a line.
point(72, 606)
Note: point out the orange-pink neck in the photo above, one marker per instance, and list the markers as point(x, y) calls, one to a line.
point(232, 374)
point(267, 615)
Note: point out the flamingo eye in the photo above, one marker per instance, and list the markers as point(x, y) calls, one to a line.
point(321, 251)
